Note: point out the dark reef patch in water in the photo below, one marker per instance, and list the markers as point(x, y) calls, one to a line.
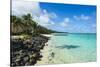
point(68, 46)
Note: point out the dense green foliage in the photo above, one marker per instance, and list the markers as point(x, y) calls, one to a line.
point(26, 25)
point(43, 30)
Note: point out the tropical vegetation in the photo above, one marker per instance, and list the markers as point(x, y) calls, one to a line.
point(26, 25)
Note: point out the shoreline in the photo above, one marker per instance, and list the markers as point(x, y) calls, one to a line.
point(47, 35)
point(28, 51)
point(48, 55)
point(45, 54)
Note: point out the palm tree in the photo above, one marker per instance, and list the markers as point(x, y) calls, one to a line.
point(17, 26)
point(30, 23)
point(27, 25)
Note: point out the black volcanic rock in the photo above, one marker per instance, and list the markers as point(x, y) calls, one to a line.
point(27, 52)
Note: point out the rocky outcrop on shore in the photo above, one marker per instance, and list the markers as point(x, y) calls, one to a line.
point(25, 52)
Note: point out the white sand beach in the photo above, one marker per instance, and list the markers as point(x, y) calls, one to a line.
point(47, 35)
point(46, 53)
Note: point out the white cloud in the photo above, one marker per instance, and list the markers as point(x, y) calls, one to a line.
point(65, 22)
point(76, 17)
point(53, 15)
point(52, 22)
point(81, 17)
point(20, 7)
point(94, 25)
point(45, 18)
point(84, 17)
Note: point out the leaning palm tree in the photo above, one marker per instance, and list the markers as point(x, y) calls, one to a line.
point(32, 25)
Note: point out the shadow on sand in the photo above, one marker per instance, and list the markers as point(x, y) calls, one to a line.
point(68, 47)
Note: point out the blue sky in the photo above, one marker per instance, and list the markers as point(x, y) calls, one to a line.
point(59, 17)
point(74, 13)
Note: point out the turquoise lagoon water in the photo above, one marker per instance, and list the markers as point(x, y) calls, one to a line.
point(73, 48)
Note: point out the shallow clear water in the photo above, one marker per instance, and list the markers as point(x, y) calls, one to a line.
point(73, 48)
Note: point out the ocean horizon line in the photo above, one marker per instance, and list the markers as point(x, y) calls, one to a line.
point(76, 33)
